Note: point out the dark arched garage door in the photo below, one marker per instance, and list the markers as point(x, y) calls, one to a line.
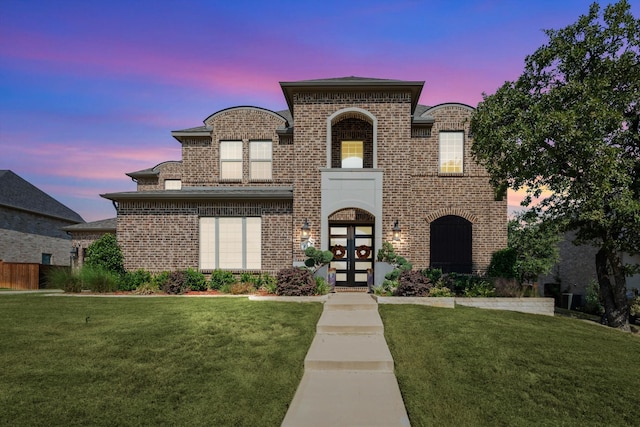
point(451, 244)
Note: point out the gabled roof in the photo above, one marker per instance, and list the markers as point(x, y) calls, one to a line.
point(17, 193)
point(352, 83)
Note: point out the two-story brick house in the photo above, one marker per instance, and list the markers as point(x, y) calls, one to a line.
point(352, 163)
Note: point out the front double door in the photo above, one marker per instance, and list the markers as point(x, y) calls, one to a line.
point(353, 253)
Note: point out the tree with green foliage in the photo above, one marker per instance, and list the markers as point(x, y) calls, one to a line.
point(535, 244)
point(568, 131)
point(105, 253)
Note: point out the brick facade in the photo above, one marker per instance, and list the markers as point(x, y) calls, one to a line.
point(400, 141)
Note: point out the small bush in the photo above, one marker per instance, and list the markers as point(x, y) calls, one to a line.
point(507, 287)
point(98, 279)
point(176, 283)
point(220, 279)
point(434, 274)
point(147, 288)
point(412, 284)
point(241, 288)
point(134, 279)
point(268, 283)
point(503, 264)
point(322, 286)
point(249, 278)
point(480, 288)
point(592, 303)
point(441, 292)
point(160, 279)
point(195, 280)
point(295, 281)
point(63, 278)
point(386, 288)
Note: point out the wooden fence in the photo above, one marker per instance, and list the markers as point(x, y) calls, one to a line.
point(17, 275)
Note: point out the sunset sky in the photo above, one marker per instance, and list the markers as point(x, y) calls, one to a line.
point(90, 90)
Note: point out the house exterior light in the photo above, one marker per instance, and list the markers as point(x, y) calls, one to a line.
point(396, 231)
point(305, 230)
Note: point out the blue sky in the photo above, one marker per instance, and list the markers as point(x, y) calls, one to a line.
point(90, 90)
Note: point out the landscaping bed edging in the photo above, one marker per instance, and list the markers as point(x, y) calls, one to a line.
point(445, 302)
point(543, 306)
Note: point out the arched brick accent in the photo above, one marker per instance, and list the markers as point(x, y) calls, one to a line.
point(451, 211)
point(352, 113)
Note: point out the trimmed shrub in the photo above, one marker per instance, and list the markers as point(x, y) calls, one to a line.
point(220, 279)
point(295, 281)
point(133, 280)
point(105, 253)
point(176, 283)
point(195, 280)
point(412, 284)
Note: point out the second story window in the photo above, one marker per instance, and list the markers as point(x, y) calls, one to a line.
point(231, 160)
point(451, 152)
point(352, 154)
point(260, 166)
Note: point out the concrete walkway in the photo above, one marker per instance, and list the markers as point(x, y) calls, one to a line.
point(348, 372)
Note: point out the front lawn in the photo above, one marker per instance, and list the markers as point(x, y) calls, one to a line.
point(150, 361)
point(474, 367)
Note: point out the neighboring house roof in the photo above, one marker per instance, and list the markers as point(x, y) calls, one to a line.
point(106, 225)
point(17, 193)
point(206, 193)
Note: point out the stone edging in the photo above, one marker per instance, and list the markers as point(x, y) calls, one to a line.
point(543, 306)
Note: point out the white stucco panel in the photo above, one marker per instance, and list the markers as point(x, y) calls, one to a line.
point(351, 188)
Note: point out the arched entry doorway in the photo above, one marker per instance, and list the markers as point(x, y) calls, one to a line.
point(351, 239)
point(451, 240)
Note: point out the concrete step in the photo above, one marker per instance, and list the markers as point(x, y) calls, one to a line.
point(350, 301)
point(344, 398)
point(350, 322)
point(349, 352)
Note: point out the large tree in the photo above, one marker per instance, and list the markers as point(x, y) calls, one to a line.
point(568, 130)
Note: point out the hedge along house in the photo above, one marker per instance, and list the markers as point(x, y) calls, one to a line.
point(352, 163)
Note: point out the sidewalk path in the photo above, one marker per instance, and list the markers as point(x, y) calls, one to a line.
point(348, 372)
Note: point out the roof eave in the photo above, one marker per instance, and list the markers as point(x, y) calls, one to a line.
point(253, 194)
point(288, 88)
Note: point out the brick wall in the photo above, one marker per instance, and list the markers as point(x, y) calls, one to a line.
point(164, 236)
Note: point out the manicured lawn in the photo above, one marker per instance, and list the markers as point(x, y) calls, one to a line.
point(473, 367)
point(150, 361)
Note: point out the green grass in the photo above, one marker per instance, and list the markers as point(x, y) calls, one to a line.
point(150, 361)
point(473, 367)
